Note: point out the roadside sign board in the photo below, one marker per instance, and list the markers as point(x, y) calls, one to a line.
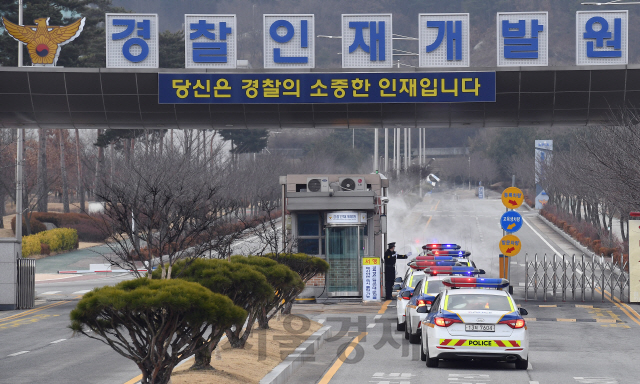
point(634, 257)
point(371, 279)
point(511, 221)
point(481, 192)
point(512, 197)
point(510, 245)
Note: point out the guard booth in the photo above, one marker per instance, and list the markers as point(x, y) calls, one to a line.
point(340, 218)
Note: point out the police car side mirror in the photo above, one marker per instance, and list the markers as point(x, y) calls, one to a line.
point(398, 280)
point(523, 312)
point(396, 287)
point(481, 272)
point(422, 309)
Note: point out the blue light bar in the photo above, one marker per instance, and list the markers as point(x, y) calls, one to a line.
point(475, 282)
point(449, 252)
point(454, 270)
point(441, 246)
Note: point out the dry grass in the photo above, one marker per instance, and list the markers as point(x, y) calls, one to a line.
point(240, 366)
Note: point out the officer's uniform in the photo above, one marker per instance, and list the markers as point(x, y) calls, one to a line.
point(389, 269)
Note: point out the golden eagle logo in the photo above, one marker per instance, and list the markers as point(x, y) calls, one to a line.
point(44, 41)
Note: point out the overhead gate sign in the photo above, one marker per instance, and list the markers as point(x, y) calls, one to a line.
point(266, 88)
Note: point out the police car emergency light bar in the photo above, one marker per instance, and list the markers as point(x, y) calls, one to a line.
point(435, 258)
point(475, 282)
point(422, 264)
point(454, 253)
point(453, 270)
point(441, 246)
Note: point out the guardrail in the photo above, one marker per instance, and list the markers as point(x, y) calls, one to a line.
point(26, 292)
point(578, 277)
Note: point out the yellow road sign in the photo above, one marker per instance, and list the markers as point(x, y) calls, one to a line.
point(510, 245)
point(512, 197)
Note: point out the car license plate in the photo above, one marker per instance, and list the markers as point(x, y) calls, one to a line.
point(480, 327)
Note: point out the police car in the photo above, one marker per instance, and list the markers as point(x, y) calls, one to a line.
point(459, 260)
point(475, 322)
point(411, 278)
point(426, 292)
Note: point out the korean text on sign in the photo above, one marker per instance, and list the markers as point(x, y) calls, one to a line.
point(327, 88)
point(602, 37)
point(131, 40)
point(523, 39)
point(289, 41)
point(210, 41)
point(367, 41)
point(443, 39)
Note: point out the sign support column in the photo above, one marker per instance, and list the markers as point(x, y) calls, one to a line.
point(634, 257)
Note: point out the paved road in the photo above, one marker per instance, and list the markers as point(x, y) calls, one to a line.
point(571, 342)
point(589, 342)
point(75, 260)
point(38, 347)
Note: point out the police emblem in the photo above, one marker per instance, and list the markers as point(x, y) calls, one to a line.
point(44, 41)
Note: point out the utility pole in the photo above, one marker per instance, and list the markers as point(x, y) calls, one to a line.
point(469, 172)
point(375, 151)
point(19, 43)
point(386, 151)
point(19, 185)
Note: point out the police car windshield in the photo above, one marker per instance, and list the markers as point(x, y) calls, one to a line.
point(414, 281)
point(478, 302)
point(434, 287)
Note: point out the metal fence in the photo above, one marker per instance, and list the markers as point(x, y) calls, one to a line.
point(26, 293)
point(575, 278)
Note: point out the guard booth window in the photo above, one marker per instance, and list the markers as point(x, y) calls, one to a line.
point(310, 239)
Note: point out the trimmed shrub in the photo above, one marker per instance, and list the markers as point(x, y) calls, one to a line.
point(30, 245)
point(36, 225)
point(88, 227)
point(55, 240)
point(45, 249)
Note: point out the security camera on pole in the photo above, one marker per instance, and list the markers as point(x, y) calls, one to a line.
point(511, 222)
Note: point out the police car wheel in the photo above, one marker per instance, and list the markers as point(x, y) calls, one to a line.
point(431, 363)
point(423, 356)
point(414, 338)
point(399, 326)
point(522, 364)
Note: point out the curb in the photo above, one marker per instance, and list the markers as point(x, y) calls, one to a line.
point(570, 239)
point(581, 247)
point(283, 371)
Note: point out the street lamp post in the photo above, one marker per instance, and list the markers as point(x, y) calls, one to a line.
point(19, 43)
point(469, 172)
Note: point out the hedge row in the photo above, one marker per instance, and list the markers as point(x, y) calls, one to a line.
point(54, 240)
point(584, 232)
point(36, 225)
point(88, 227)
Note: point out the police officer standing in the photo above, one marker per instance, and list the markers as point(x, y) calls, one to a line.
point(389, 269)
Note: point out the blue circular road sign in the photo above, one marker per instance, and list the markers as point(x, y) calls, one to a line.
point(511, 221)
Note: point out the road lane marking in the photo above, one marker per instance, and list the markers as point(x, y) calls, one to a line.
point(635, 320)
point(371, 325)
point(32, 311)
point(428, 221)
point(57, 341)
point(81, 292)
point(436, 207)
point(18, 353)
point(543, 239)
point(134, 380)
point(341, 359)
point(633, 311)
point(383, 308)
point(51, 293)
